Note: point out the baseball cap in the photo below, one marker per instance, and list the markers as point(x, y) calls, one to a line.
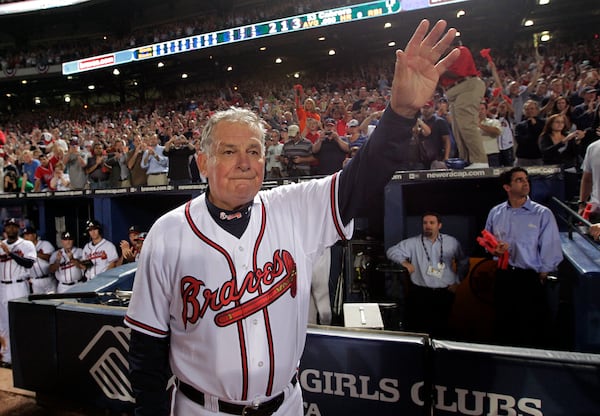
point(293, 130)
point(74, 141)
point(11, 221)
point(330, 121)
point(352, 123)
point(589, 90)
point(67, 236)
point(135, 229)
point(29, 230)
point(141, 236)
point(284, 128)
point(93, 225)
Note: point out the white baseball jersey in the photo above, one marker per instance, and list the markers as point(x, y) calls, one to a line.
point(101, 255)
point(236, 309)
point(13, 284)
point(67, 274)
point(41, 281)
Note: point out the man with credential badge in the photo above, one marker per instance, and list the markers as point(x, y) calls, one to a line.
point(436, 264)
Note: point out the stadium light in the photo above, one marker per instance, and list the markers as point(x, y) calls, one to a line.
point(545, 36)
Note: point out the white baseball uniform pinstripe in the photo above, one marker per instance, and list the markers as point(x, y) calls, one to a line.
point(17, 275)
point(101, 255)
point(41, 281)
point(67, 274)
point(236, 309)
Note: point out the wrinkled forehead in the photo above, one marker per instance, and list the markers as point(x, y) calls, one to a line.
point(230, 132)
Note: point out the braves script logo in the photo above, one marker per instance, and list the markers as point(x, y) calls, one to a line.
point(196, 303)
point(98, 255)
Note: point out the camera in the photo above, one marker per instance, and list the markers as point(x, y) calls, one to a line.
point(328, 133)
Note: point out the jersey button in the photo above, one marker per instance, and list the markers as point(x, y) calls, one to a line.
point(241, 248)
point(255, 321)
point(260, 363)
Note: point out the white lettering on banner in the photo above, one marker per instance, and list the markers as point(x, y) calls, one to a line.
point(311, 409)
point(350, 385)
point(474, 402)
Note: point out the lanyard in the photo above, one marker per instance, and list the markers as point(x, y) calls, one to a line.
point(441, 249)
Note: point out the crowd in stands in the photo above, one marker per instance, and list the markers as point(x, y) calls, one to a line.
point(545, 102)
point(351, 101)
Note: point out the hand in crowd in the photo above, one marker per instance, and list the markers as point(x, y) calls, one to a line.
point(417, 69)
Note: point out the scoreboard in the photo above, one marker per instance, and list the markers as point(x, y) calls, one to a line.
point(249, 32)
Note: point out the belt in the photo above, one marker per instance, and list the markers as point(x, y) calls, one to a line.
point(158, 173)
point(263, 409)
point(42, 277)
point(432, 289)
point(70, 284)
point(10, 282)
point(460, 81)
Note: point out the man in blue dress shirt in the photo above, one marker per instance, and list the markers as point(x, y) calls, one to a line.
point(528, 231)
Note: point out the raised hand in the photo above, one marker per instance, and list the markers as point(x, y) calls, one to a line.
point(419, 67)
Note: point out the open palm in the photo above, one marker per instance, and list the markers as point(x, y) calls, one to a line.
point(418, 70)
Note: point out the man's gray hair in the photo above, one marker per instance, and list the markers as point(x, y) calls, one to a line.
point(232, 115)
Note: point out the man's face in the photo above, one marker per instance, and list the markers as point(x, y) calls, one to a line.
point(12, 231)
point(98, 149)
point(30, 237)
point(482, 111)
point(427, 111)
point(530, 110)
point(519, 185)
point(431, 226)
point(235, 167)
point(556, 86)
point(94, 234)
point(133, 236)
point(44, 160)
point(67, 244)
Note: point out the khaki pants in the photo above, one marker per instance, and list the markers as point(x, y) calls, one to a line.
point(464, 99)
point(157, 180)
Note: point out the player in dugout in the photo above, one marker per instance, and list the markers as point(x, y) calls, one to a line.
point(222, 288)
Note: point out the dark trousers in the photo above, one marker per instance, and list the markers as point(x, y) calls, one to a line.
point(521, 308)
point(428, 310)
point(507, 157)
